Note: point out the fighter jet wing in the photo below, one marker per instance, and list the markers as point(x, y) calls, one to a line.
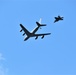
point(55, 21)
point(55, 17)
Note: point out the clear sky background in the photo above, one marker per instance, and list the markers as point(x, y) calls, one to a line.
point(53, 55)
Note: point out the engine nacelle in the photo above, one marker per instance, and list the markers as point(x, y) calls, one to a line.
point(42, 36)
point(36, 37)
point(21, 30)
point(23, 34)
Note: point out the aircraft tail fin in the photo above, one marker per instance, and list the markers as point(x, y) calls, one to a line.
point(40, 20)
point(39, 23)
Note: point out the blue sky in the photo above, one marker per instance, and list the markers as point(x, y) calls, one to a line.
point(53, 55)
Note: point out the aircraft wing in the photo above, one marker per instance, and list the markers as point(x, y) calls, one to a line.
point(55, 21)
point(42, 34)
point(24, 29)
point(55, 17)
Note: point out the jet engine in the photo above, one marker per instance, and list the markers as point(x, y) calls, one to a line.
point(23, 34)
point(21, 30)
point(36, 37)
point(42, 37)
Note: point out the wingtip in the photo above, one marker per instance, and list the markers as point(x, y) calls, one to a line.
point(54, 21)
point(50, 33)
point(20, 24)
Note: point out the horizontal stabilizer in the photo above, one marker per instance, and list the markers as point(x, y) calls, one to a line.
point(40, 24)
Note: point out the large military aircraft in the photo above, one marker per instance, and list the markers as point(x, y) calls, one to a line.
point(32, 34)
point(58, 18)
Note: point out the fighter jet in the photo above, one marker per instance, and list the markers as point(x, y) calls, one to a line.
point(58, 18)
